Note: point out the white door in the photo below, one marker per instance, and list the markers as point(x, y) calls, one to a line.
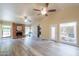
point(53, 33)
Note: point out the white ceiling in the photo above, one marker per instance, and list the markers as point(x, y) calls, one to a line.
point(11, 11)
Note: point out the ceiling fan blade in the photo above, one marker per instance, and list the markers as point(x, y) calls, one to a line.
point(36, 9)
point(52, 10)
point(20, 17)
point(46, 5)
point(38, 14)
point(25, 17)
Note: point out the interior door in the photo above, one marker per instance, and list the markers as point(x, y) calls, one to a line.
point(53, 32)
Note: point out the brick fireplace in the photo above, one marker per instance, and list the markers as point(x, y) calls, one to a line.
point(18, 30)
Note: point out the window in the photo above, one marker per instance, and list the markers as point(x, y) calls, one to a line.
point(6, 30)
point(68, 32)
point(28, 31)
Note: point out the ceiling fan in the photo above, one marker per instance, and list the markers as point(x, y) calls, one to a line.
point(25, 18)
point(22, 17)
point(44, 10)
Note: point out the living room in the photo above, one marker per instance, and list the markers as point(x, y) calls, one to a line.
point(41, 28)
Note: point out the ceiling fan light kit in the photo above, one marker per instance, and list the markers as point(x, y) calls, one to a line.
point(27, 20)
point(44, 11)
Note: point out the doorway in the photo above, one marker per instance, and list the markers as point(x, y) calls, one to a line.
point(53, 33)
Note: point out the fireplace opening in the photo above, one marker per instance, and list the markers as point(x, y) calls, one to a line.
point(19, 34)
